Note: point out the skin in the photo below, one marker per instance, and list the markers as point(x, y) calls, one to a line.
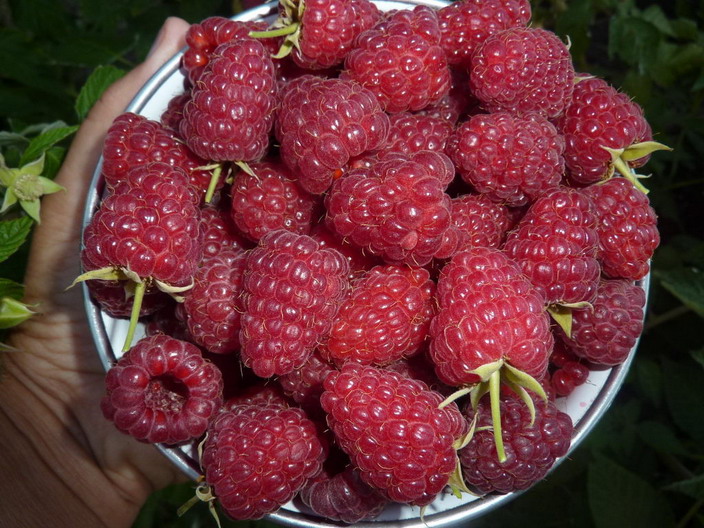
point(63, 463)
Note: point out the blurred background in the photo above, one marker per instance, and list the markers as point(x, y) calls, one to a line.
point(643, 465)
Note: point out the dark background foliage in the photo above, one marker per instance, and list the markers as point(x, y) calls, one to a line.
point(643, 465)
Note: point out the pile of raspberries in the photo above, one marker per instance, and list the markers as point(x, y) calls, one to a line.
point(370, 250)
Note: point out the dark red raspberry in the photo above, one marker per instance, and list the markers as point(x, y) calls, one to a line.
point(479, 221)
point(511, 159)
point(134, 140)
point(172, 116)
point(393, 430)
point(162, 391)
point(268, 199)
point(384, 318)
point(262, 394)
point(421, 368)
point(531, 446)
point(169, 320)
point(397, 209)
point(293, 290)
point(628, 232)
point(214, 304)
point(468, 23)
point(359, 262)
point(606, 333)
point(219, 232)
point(456, 103)
point(115, 298)
point(568, 377)
point(231, 111)
point(522, 70)
point(305, 385)
point(342, 497)
point(411, 133)
point(488, 312)
point(401, 61)
point(600, 116)
point(318, 144)
point(257, 457)
point(556, 245)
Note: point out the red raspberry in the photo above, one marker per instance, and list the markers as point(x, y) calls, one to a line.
point(511, 159)
point(397, 209)
point(411, 133)
point(342, 497)
point(455, 103)
point(231, 111)
point(305, 385)
point(522, 70)
point(366, 15)
point(262, 394)
point(466, 24)
point(394, 431)
point(568, 377)
point(168, 320)
point(556, 245)
point(293, 290)
point(219, 232)
point(162, 391)
point(531, 446)
point(270, 199)
point(401, 61)
point(256, 458)
point(318, 144)
point(628, 232)
point(600, 116)
point(479, 221)
point(606, 333)
point(384, 318)
point(134, 140)
point(172, 116)
point(115, 298)
point(487, 312)
point(213, 306)
point(359, 262)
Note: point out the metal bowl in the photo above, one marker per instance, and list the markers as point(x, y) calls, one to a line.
point(586, 405)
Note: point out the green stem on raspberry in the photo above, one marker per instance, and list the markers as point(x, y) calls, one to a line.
point(278, 32)
point(139, 290)
point(214, 179)
point(495, 400)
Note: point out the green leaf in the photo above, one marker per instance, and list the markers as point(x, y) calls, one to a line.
point(693, 487)
point(12, 139)
point(101, 78)
point(10, 288)
point(44, 141)
point(661, 438)
point(13, 233)
point(685, 403)
point(634, 40)
point(687, 284)
point(618, 498)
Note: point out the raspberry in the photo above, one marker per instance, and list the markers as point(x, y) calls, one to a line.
point(531, 446)
point(366, 15)
point(455, 103)
point(401, 61)
point(162, 391)
point(305, 385)
point(342, 497)
point(219, 232)
point(261, 394)
point(397, 209)
point(172, 116)
point(600, 116)
point(628, 232)
point(168, 320)
point(268, 199)
point(358, 261)
point(385, 317)
point(556, 245)
point(231, 110)
point(318, 144)
point(607, 333)
point(213, 306)
point(293, 290)
point(394, 431)
point(479, 221)
point(488, 312)
point(115, 298)
point(411, 133)
point(511, 159)
point(466, 24)
point(522, 70)
point(257, 457)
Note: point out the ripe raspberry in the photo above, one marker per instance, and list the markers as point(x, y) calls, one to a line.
point(262, 394)
point(358, 261)
point(511, 159)
point(401, 61)
point(569, 375)
point(366, 15)
point(600, 116)
point(318, 144)
point(162, 391)
point(394, 431)
point(172, 116)
point(479, 221)
point(256, 458)
point(456, 103)
point(134, 140)
point(556, 245)
point(115, 298)
point(608, 333)
point(342, 497)
point(213, 306)
point(305, 385)
point(168, 320)
point(231, 110)
point(628, 232)
point(466, 24)
point(219, 232)
point(411, 133)
point(270, 199)
point(487, 312)
point(531, 448)
point(384, 318)
point(397, 209)
point(522, 70)
point(293, 290)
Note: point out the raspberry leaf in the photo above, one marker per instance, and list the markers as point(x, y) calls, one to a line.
point(13, 233)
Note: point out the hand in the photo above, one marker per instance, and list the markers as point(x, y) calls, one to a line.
point(63, 464)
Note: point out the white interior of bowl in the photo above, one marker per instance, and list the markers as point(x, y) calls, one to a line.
point(585, 405)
